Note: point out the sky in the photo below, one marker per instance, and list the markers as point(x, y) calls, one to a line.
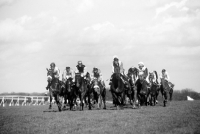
point(164, 34)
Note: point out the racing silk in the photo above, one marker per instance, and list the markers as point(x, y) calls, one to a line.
point(81, 70)
point(56, 72)
point(117, 68)
point(143, 71)
point(97, 75)
point(67, 74)
point(164, 76)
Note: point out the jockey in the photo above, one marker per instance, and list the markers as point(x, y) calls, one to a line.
point(68, 73)
point(143, 73)
point(143, 69)
point(56, 73)
point(96, 73)
point(164, 75)
point(80, 68)
point(117, 67)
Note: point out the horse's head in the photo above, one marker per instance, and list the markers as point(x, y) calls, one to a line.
point(165, 85)
point(78, 79)
point(96, 85)
point(151, 76)
point(69, 83)
point(133, 72)
point(117, 83)
point(88, 78)
point(144, 88)
point(50, 73)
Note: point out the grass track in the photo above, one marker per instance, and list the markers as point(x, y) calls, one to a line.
point(179, 117)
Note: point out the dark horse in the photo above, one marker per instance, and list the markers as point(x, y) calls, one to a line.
point(83, 89)
point(165, 90)
point(99, 93)
point(132, 75)
point(154, 88)
point(117, 90)
point(153, 93)
point(70, 92)
point(54, 90)
point(142, 91)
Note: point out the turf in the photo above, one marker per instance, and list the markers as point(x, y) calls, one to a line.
point(178, 117)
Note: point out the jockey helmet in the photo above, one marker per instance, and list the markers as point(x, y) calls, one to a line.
point(95, 68)
point(115, 57)
point(53, 64)
point(67, 68)
point(79, 62)
point(141, 64)
point(150, 72)
point(163, 70)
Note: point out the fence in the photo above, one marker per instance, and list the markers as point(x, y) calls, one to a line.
point(24, 100)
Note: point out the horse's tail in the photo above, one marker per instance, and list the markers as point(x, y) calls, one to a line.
point(156, 74)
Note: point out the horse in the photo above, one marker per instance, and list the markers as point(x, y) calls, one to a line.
point(142, 91)
point(71, 92)
point(132, 94)
point(117, 90)
point(83, 89)
point(54, 90)
point(153, 93)
point(154, 88)
point(165, 90)
point(99, 93)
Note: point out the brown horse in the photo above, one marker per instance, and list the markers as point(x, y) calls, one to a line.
point(54, 90)
point(83, 89)
point(165, 90)
point(99, 93)
point(142, 92)
point(154, 88)
point(117, 90)
point(71, 92)
point(133, 74)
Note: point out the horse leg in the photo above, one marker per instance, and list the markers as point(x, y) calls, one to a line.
point(50, 106)
point(104, 98)
point(165, 99)
point(89, 103)
point(170, 93)
point(65, 101)
point(134, 98)
point(71, 102)
point(56, 99)
point(98, 101)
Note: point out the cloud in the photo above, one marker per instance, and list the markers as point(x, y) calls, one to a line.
point(7, 2)
point(33, 47)
point(184, 51)
point(85, 5)
point(178, 5)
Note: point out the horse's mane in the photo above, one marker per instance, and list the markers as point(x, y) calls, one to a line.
point(134, 71)
point(156, 74)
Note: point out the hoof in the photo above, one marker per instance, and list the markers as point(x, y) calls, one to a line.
point(104, 108)
point(134, 107)
point(49, 107)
